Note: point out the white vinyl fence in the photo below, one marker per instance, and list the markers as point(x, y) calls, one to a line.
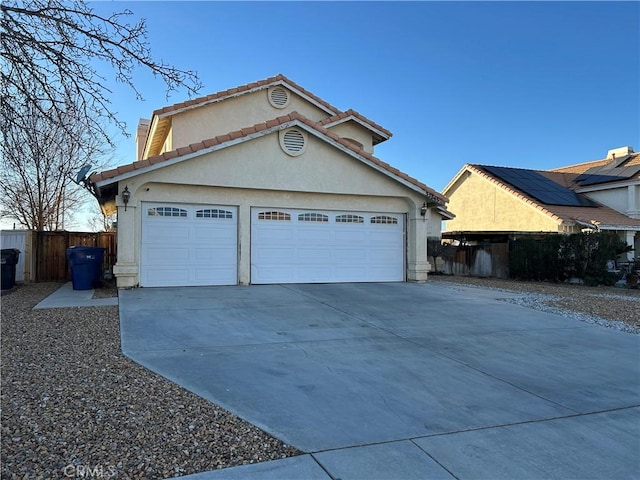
point(19, 239)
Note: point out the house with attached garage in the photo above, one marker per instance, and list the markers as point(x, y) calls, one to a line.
point(495, 204)
point(265, 183)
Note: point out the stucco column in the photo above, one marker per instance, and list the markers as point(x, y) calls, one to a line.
point(417, 260)
point(244, 243)
point(633, 202)
point(630, 238)
point(126, 268)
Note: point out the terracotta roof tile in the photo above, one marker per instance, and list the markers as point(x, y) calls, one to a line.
point(170, 155)
point(125, 169)
point(349, 113)
point(264, 126)
point(583, 167)
point(580, 168)
point(184, 150)
point(429, 191)
point(240, 89)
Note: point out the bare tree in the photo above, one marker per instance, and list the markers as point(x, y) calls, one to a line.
point(50, 49)
point(100, 222)
point(55, 106)
point(38, 171)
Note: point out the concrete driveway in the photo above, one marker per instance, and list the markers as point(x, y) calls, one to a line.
point(399, 380)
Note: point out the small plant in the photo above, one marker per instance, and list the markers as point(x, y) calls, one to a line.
point(632, 273)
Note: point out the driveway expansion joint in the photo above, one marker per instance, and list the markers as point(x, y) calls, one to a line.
point(389, 380)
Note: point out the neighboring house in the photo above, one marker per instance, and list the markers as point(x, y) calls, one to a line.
point(493, 204)
point(266, 183)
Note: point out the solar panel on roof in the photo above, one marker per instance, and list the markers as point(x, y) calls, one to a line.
point(539, 187)
point(607, 173)
point(585, 180)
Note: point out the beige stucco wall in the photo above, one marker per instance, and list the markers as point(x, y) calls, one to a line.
point(220, 118)
point(624, 199)
point(351, 130)
point(482, 206)
point(258, 173)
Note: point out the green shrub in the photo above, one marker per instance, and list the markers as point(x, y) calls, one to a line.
point(536, 259)
point(557, 257)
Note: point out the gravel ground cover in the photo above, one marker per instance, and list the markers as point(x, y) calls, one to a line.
point(74, 407)
point(610, 307)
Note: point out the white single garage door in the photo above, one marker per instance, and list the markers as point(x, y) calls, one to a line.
point(188, 245)
point(309, 246)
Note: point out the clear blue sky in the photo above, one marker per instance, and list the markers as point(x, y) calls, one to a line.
point(525, 84)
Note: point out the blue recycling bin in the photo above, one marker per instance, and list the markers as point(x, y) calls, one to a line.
point(86, 266)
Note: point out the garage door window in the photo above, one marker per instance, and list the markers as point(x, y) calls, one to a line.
point(188, 245)
point(384, 219)
point(166, 212)
point(213, 213)
point(313, 217)
point(324, 246)
point(349, 219)
point(274, 216)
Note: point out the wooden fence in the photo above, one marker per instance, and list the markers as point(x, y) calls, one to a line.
point(51, 252)
point(490, 260)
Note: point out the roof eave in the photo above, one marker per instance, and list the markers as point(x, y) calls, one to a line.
point(180, 158)
point(278, 81)
point(378, 135)
point(151, 166)
point(465, 168)
point(609, 185)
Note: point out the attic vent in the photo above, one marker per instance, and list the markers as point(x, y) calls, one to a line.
point(293, 141)
point(278, 97)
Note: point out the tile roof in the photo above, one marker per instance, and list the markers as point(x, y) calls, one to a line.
point(599, 173)
point(196, 102)
point(583, 167)
point(161, 118)
point(350, 114)
point(238, 135)
point(600, 215)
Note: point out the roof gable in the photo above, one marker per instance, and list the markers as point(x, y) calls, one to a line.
point(161, 119)
point(244, 89)
point(597, 214)
point(246, 134)
point(380, 134)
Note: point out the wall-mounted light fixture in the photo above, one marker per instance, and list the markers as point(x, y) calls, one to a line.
point(423, 209)
point(126, 195)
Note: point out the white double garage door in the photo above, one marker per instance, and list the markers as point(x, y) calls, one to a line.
point(190, 245)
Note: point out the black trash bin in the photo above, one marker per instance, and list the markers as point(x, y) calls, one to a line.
point(9, 261)
point(86, 266)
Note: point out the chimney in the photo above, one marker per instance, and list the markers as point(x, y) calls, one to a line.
point(141, 137)
point(619, 155)
point(619, 152)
